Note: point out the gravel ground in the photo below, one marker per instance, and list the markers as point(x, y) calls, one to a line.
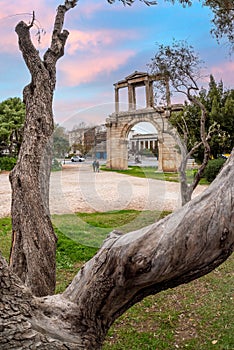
point(78, 188)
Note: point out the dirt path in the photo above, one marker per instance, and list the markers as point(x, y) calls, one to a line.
point(77, 188)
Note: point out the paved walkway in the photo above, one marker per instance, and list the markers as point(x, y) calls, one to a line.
point(78, 189)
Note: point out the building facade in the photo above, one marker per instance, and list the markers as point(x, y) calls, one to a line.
point(90, 141)
point(141, 142)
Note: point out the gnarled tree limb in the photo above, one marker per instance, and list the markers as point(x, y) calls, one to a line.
point(178, 249)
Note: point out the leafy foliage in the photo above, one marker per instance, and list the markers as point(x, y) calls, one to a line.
point(60, 142)
point(7, 163)
point(56, 165)
point(223, 20)
point(213, 168)
point(12, 115)
point(219, 104)
point(182, 66)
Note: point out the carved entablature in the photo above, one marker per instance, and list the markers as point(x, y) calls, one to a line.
point(134, 80)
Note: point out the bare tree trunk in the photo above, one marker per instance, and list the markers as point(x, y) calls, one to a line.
point(187, 189)
point(178, 249)
point(18, 310)
point(33, 240)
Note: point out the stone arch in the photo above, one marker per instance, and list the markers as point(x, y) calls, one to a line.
point(119, 123)
point(128, 126)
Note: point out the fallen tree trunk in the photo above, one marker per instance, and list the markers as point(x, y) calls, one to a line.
point(178, 249)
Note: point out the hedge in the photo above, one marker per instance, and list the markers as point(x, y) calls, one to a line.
point(213, 168)
point(7, 163)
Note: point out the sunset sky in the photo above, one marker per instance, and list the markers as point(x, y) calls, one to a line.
point(106, 44)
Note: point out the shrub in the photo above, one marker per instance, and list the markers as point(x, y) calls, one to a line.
point(213, 168)
point(7, 163)
point(56, 165)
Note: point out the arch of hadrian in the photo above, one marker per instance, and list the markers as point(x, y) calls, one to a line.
point(120, 123)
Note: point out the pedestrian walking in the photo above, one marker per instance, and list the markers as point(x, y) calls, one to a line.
point(97, 166)
point(94, 164)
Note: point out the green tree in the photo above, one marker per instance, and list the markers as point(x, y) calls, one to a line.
point(219, 104)
point(12, 116)
point(60, 142)
point(223, 19)
point(228, 113)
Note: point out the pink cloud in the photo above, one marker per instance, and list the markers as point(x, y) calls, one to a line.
point(225, 72)
point(76, 71)
point(12, 12)
point(80, 40)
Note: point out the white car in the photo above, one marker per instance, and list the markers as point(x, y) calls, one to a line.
point(77, 159)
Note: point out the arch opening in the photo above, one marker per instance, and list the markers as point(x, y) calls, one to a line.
point(140, 97)
point(123, 100)
point(142, 144)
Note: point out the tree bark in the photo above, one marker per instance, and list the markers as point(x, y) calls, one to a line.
point(33, 239)
point(18, 309)
point(187, 189)
point(178, 249)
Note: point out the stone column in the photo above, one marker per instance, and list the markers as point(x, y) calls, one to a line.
point(149, 94)
point(137, 145)
point(160, 156)
point(117, 146)
point(134, 97)
point(108, 144)
point(131, 97)
point(170, 155)
point(116, 100)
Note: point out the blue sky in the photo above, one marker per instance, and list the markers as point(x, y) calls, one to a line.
point(106, 43)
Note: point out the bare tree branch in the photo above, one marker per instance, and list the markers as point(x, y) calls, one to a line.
point(182, 65)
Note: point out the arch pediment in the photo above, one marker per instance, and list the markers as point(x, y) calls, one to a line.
point(137, 74)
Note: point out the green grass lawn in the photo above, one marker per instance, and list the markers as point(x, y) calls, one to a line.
point(92, 229)
point(152, 173)
point(195, 316)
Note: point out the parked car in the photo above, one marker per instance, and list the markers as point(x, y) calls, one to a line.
point(225, 156)
point(77, 159)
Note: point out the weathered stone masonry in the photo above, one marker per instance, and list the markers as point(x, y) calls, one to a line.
point(120, 123)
